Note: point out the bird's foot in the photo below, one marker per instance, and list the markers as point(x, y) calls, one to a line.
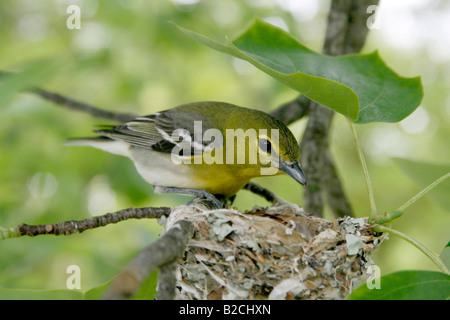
point(199, 194)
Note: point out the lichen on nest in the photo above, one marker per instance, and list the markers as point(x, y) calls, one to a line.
point(279, 252)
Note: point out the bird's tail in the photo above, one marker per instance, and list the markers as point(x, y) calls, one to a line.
point(103, 143)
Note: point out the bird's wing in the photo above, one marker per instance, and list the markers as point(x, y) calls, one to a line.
point(160, 132)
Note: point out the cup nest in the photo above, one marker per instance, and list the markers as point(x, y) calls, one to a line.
point(279, 252)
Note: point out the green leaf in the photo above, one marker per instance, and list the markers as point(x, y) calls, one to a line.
point(422, 174)
point(361, 87)
point(147, 291)
point(407, 285)
point(445, 255)
point(96, 293)
point(28, 294)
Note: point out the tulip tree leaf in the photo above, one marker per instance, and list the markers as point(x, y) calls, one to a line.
point(147, 291)
point(445, 255)
point(406, 285)
point(97, 292)
point(359, 86)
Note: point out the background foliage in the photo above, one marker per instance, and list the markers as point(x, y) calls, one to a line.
point(127, 57)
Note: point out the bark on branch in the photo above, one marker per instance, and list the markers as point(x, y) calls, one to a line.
point(160, 254)
point(69, 227)
point(292, 110)
point(83, 107)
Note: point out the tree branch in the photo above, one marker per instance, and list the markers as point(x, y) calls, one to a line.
point(69, 227)
point(167, 281)
point(160, 254)
point(83, 107)
point(333, 189)
point(293, 110)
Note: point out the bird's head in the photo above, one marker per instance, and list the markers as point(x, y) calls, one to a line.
point(276, 146)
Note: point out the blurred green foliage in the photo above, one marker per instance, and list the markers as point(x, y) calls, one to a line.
point(127, 57)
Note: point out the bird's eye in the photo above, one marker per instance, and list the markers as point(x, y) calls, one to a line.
point(265, 145)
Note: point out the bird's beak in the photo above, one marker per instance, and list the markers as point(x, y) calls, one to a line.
point(293, 169)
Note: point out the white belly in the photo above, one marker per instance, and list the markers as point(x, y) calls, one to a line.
point(158, 169)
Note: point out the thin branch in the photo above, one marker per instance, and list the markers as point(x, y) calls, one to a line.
point(72, 104)
point(159, 254)
point(83, 107)
point(69, 227)
point(292, 110)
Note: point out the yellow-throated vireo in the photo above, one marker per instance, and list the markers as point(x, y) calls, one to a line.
point(203, 148)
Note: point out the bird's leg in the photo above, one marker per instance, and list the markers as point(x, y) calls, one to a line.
point(190, 192)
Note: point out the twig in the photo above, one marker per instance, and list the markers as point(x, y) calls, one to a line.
point(83, 107)
point(69, 227)
point(292, 110)
point(159, 254)
point(76, 105)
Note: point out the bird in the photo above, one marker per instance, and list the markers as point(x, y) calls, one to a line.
point(206, 149)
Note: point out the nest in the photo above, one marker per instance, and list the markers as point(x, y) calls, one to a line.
point(279, 252)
